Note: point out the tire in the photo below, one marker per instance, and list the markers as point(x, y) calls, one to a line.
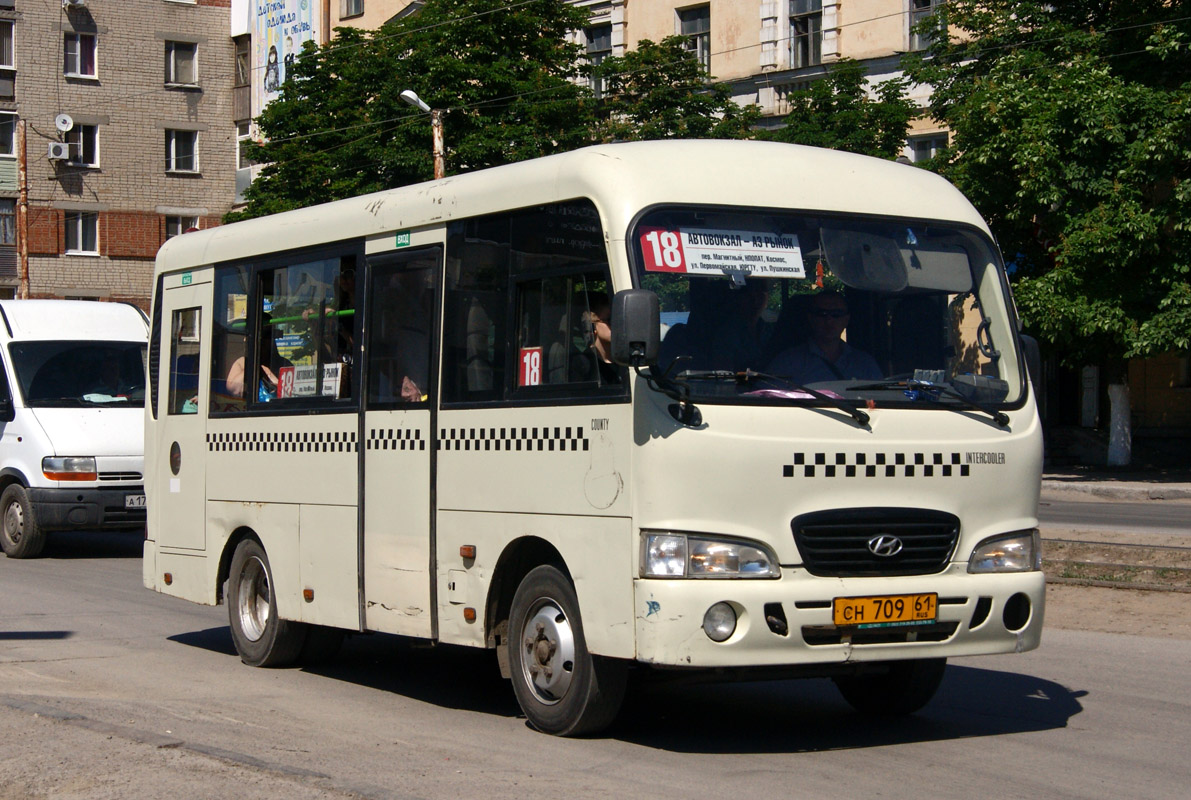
point(906, 687)
point(561, 687)
point(262, 638)
point(20, 535)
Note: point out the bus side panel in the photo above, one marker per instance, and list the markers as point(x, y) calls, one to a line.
point(327, 543)
point(187, 575)
point(597, 551)
point(276, 525)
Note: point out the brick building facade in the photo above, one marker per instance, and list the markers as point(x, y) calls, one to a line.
point(128, 138)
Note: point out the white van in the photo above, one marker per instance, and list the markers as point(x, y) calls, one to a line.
point(72, 404)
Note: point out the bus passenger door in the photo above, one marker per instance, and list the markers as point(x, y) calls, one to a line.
point(177, 499)
point(398, 451)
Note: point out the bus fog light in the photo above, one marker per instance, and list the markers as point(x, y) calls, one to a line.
point(719, 623)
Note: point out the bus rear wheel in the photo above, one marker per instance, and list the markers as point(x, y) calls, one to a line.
point(20, 535)
point(906, 687)
point(561, 687)
point(261, 637)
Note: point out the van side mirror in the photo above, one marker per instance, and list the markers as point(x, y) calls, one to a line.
point(1033, 356)
point(636, 327)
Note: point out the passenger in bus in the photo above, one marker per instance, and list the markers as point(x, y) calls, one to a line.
point(599, 317)
point(741, 333)
point(270, 362)
point(825, 356)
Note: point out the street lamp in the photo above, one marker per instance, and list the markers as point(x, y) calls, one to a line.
point(411, 97)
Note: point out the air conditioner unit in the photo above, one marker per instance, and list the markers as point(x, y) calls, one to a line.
point(59, 151)
point(74, 3)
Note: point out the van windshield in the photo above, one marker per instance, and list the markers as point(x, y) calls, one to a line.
point(71, 374)
point(894, 311)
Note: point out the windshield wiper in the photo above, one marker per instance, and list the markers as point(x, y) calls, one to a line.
point(913, 387)
point(748, 375)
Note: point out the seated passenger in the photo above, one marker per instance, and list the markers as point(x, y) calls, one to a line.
point(825, 357)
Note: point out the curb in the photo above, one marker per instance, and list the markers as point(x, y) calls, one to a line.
point(1060, 490)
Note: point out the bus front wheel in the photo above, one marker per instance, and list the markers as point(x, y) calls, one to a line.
point(906, 687)
point(561, 687)
point(262, 638)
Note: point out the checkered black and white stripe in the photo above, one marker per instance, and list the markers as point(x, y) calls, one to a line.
point(395, 439)
point(292, 442)
point(876, 465)
point(541, 439)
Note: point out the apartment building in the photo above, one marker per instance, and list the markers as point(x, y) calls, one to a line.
point(115, 130)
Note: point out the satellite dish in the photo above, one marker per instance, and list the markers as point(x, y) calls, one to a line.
point(63, 122)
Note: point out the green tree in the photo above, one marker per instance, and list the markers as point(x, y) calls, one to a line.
point(661, 91)
point(836, 112)
point(1072, 135)
point(502, 72)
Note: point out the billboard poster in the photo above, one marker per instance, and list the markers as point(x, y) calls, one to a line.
point(280, 28)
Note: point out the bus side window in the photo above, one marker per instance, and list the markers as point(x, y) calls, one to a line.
point(401, 311)
point(184, 361)
point(229, 335)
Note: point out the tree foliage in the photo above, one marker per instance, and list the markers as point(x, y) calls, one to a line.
point(1071, 127)
point(659, 90)
point(836, 112)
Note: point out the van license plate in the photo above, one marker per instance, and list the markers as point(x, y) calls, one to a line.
point(134, 501)
point(879, 612)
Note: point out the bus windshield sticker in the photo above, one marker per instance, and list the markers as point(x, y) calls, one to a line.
point(531, 367)
point(302, 381)
point(704, 251)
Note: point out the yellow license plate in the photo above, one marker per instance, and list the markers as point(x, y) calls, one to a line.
point(877, 612)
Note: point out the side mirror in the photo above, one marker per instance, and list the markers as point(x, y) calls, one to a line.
point(636, 328)
point(1033, 356)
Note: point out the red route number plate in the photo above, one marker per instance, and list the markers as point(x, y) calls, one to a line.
point(876, 612)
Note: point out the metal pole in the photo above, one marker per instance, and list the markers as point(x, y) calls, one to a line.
point(22, 213)
point(436, 128)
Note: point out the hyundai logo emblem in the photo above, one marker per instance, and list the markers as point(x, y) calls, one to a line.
point(885, 545)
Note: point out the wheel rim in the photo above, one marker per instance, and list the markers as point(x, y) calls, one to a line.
point(14, 522)
point(252, 601)
point(548, 653)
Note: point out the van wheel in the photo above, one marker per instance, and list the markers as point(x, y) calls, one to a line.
point(561, 687)
point(20, 535)
point(262, 638)
point(904, 689)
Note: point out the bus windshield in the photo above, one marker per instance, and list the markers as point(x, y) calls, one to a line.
point(71, 374)
point(757, 305)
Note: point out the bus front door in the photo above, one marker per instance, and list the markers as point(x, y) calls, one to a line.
point(398, 446)
point(177, 504)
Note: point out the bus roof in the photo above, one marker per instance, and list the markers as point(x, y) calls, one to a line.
point(621, 179)
point(73, 319)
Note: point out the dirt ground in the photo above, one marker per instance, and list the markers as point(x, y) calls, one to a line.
point(1133, 611)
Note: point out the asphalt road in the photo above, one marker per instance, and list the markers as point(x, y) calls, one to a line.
point(1154, 516)
point(110, 691)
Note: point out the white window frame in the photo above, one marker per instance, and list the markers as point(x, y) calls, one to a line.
point(83, 142)
point(351, 8)
point(8, 222)
point(596, 51)
point(77, 222)
point(8, 149)
point(920, 10)
point(243, 137)
point(73, 70)
point(177, 225)
point(936, 142)
point(172, 136)
point(172, 63)
point(8, 42)
point(697, 42)
point(810, 14)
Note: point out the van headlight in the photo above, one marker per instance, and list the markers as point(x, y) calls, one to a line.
point(680, 555)
point(1013, 552)
point(69, 468)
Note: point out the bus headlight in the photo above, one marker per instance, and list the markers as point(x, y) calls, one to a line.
point(679, 555)
point(69, 468)
point(1014, 552)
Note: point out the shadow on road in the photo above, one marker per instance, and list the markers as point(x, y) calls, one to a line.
point(94, 544)
point(752, 717)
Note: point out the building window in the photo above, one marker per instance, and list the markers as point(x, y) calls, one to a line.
point(8, 221)
point(8, 126)
point(82, 232)
point(83, 141)
point(181, 151)
point(350, 8)
point(6, 48)
point(806, 33)
point(175, 226)
point(695, 25)
point(78, 55)
point(599, 47)
point(924, 147)
point(243, 141)
point(243, 63)
point(921, 10)
point(181, 63)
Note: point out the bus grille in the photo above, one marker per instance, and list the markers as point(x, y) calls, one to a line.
point(840, 542)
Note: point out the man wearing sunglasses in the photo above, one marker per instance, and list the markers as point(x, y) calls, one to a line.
point(825, 356)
